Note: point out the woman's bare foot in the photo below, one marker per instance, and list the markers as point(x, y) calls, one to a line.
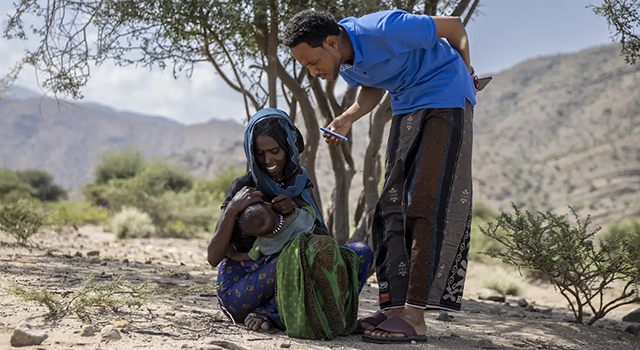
point(257, 323)
point(388, 313)
point(413, 316)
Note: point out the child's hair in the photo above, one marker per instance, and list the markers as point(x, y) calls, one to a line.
point(256, 219)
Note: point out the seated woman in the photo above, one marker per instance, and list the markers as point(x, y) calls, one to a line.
point(272, 145)
point(318, 281)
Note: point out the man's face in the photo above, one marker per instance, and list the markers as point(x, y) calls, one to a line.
point(322, 61)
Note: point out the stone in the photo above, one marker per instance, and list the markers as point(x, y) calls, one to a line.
point(285, 345)
point(87, 331)
point(633, 330)
point(26, 335)
point(633, 317)
point(184, 346)
point(209, 347)
point(444, 317)
point(491, 295)
point(93, 253)
point(522, 303)
point(79, 254)
point(113, 334)
point(120, 324)
point(485, 344)
point(170, 313)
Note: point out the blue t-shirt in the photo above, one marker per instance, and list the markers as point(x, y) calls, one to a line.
point(400, 52)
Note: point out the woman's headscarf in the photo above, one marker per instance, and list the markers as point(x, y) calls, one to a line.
point(296, 183)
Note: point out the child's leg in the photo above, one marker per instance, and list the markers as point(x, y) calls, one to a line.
point(247, 286)
point(365, 256)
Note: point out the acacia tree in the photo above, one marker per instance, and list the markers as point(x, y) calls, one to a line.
point(239, 39)
point(623, 17)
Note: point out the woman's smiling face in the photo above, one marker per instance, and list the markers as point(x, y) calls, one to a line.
point(270, 156)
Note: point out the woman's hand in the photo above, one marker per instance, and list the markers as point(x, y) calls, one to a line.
point(283, 204)
point(244, 198)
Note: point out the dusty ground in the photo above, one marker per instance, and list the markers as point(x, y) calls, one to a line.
point(177, 316)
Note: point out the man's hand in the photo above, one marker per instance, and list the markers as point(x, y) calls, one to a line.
point(283, 204)
point(341, 125)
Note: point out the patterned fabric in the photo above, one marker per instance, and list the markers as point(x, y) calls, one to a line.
point(317, 288)
point(300, 183)
point(422, 225)
point(249, 286)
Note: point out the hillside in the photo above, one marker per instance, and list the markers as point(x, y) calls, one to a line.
point(67, 139)
point(559, 131)
point(549, 132)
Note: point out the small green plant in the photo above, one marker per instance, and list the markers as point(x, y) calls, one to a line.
point(110, 295)
point(505, 284)
point(131, 222)
point(20, 219)
point(124, 164)
point(570, 258)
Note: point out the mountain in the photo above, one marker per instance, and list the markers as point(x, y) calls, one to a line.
point(563, 130)
point(549, 132)
point(68, 139)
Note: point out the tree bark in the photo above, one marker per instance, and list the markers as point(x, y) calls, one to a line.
point(312, 138)
point(371, 175)
point(272, 54)
point(343, 170)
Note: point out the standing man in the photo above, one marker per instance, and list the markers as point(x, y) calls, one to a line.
point(421, 229)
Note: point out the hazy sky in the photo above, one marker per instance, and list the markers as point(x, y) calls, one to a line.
point(505, 33)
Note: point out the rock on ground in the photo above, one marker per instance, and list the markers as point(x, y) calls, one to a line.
point(25, 335)
point(634, 317)
point(492, 295)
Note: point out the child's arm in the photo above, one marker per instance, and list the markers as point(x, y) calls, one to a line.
point(235, 255)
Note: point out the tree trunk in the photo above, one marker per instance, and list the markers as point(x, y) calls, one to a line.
point(371, 175)
point(312, 138)
point(272, 54)
point(343, 172)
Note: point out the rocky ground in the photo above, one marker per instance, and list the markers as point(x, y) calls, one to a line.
point(180, 310)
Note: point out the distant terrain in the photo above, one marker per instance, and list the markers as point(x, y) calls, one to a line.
point(549, 132)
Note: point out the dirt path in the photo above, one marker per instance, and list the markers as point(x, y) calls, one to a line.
point(182, 310)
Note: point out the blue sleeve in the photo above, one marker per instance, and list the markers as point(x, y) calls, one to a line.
point(349, 81)
point(405, 31)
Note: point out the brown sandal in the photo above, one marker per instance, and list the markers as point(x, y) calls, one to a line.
point(377, 318)
point(396, 324)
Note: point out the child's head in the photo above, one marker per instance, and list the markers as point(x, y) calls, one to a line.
point(258, 219)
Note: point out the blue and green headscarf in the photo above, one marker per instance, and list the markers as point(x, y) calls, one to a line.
point(296, 183)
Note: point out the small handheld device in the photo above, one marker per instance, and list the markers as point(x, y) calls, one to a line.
point(482, 82)
point(334, 134)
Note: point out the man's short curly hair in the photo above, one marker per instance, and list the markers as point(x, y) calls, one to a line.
point(310, 27)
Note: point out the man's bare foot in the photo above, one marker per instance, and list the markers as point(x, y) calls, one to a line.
point(388, 313)
point(257, 323)
point(413, 316)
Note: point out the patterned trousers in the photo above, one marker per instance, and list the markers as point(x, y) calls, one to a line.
point(422, 223)
point(249, 286)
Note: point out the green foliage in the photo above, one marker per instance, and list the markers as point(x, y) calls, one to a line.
point(24, 184)
point(110, 295)
point(216, 189)
point(73, 214)
point(124, 164)
point(158, 177)
point(504, 283)
point(20, 219)
point(42, 182)
point(131, 223)
point(480, 244)
point(580, 268)
point(623, 19)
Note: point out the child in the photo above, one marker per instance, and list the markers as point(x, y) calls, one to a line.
point(273, 230)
